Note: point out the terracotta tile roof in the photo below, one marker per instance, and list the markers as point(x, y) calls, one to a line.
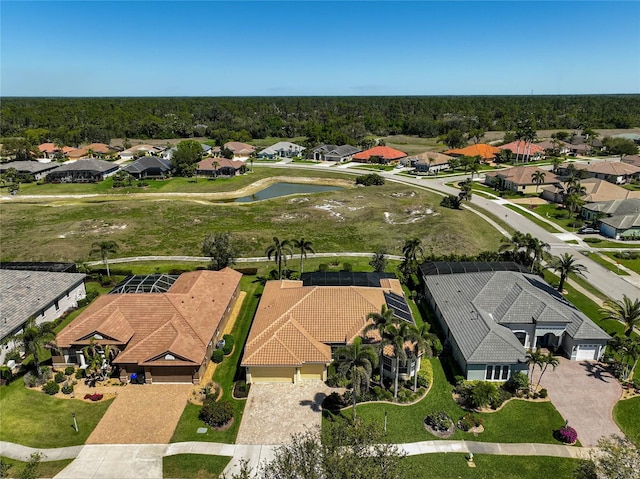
point(49, 148)
point(384, 152)
point(433, 158)
point(486, 152)
point(239, 148)
point(552, 145)
point(180, 322)
point(522, 175)
point(67, 149)
point(613, 168)
point(523, 148)
point(295, 324)
point(76, 153)
point(99, 148)
point(208, 164)
point(601, 190)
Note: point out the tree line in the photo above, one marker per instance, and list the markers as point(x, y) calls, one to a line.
point(338, 120)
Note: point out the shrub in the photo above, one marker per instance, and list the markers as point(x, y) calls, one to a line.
point(241, 389)
point(502, 396)
point(592, 240)
point(69, 370)
point(216, 414)
point(439, 421)
point(517, 382)
point(627, 255)
point(382, 394)
point(94, 397)
point(451, 201)
point(91, 295)
point(543, 393)
point(228, 344)
point(372, 179)
point(30, 380)
point(458, 380)
point(323, 267)
point(51, 388)
point(12, 354)
point(81, 373)
point(348, 267)
point(567, 434)
point(483, 394)
point(217, 356)
point(67, 388)
point(60, 377)
point(469, 421)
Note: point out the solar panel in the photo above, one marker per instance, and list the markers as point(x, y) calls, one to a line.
point(151, 283)
point(399, 305)
point(344, 278)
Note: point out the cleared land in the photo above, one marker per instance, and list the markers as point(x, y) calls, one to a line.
point(356, 219)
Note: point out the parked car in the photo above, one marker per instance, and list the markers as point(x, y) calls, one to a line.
point(588, 230)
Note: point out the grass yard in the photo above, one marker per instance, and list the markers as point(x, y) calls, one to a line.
point(454, 465)
point(558, 215)
point(225, 374)
point(607, 264)
point(530, 217)
point(625, 414)
point(32, 418)
point(193, 466)
point(517, 421)
point(45, 469)
point(362, 219)
point(632, 264)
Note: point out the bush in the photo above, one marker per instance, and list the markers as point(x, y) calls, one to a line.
point(627, 255)
point(247, 271)
point(241, 389)
point(502, 396)
point(51, 388)
point(228, 344)
point(347, 267)
point(323, 267)
point(216, 414)
point(94, 397)
point(67, 388)
point(469, 421)
point(372, 179)
point(483, 394)
point(81, 373)
point(382, 394)
point(543, 393)
point(69, 370)
point(60, 377)
point(12, 354)
point(334, 402)
point(592, 240)
point(517, 382)
point(91, 295)
point(439, 421)
point(217, 356)
point(451, 201)
point(567, 434)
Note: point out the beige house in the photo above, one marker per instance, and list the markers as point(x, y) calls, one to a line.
point(596, 190)
point(519, 179)
point(296, 327)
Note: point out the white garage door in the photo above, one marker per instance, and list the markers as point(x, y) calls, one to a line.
point(587, 351)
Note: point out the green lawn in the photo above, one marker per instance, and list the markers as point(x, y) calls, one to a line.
point(224, 375)
point(362, 219)
point(632, 264)
point(45, 469)
point(35, 419)
point(556, 214)
point(517, 421)
point(441, 466)
point(193, 466)
point(607, 264)
point(626, 415)
point(539, 222)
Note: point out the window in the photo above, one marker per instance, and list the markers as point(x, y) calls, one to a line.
point(489, 375)
point(497, 373)
point(55, 303)
point(387, 363)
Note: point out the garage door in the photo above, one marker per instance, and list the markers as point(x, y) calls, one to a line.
point(587, 352)
point(271, 375)
point(312, 371)
point(171, 375)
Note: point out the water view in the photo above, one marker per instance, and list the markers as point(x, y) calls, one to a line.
point(284, 189)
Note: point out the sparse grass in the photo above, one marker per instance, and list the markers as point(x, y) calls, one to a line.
point(625, 414)
point(607, 264)
point(193, 466)
point(225, 374)
point(33, 418)
point(66, 229)
point(529, 216)
point(45, 469)
point(454, 465)
point(615, 244)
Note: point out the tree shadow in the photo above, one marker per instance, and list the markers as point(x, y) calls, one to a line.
point(316, 403)
point(596, 370)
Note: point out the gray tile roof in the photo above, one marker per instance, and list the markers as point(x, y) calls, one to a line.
point(476, 305)
point(89, 164)
point(29, 167)
point(146, 162)
point(623, 222)
point(282, 146)
point(24, 293)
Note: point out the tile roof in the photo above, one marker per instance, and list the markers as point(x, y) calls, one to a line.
point(30, 167)
point(24, 293)
point(146, 162)
point(239, 148)
point(476, 306)
point(180, 322)
point(76, 153)
point(337, 150)
point(99, 148)
point(523, 175)
point(623, 222)
point(613, 168)
point(282, 146)
point(295, 324)
point(48, 148)
point(552, 145)
point(432, 158)
point(616, 207)
point(88, 164)
point(597, 190)
point(382, 151)
point(208, 164)
point(631, 160)
point(523, 148)
point(487, 152)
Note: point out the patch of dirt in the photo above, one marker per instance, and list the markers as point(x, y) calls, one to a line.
point(404, 194)
point(296, 201)
point(330, 206)
point(289, 217)
point(414, 215)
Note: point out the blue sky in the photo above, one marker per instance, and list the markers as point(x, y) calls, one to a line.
point(208, 48)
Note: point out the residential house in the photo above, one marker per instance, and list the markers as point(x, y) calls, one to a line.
point(42, 295)
point(149, 167)
point(239, 149)
point(618, 219)
point(428, 162)
point(337, 153)
point(596, 190)
point(219, 167)
point(631, 160)
point(76, 153)
point(282, 149)
point(83, 171)
point(49, 150)
point(486, 152)
point(524, 151)
point(298, 325)
point(141, 150)
point(163, 327)
point(520, 179)
point(581, 145)
point(612, 171)
point(555, 147)
point(34, 168)
point(490, 314)
point(100, 149)
point(380, 154)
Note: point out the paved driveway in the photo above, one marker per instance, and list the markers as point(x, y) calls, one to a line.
point(584, 394)
point(276, 411)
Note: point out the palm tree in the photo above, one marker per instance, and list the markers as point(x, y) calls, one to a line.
point(357, 362)
point(411, 249)
point(538, 178)
point(533, 359)
point(279, 250)
point(33, 338)
point(556, 162)
point(423, 340)
point(380, 322)
point(303, 246)
point(626, 311)
point(547, 360)
point(397, 334)
point(105, 248)
point(535, 250)
point(565, 265)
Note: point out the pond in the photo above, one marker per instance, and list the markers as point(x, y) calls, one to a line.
point(284, 189)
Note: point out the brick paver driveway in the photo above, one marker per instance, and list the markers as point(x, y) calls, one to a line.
point(275, 411)
point(584, 394)
point(142, 414)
